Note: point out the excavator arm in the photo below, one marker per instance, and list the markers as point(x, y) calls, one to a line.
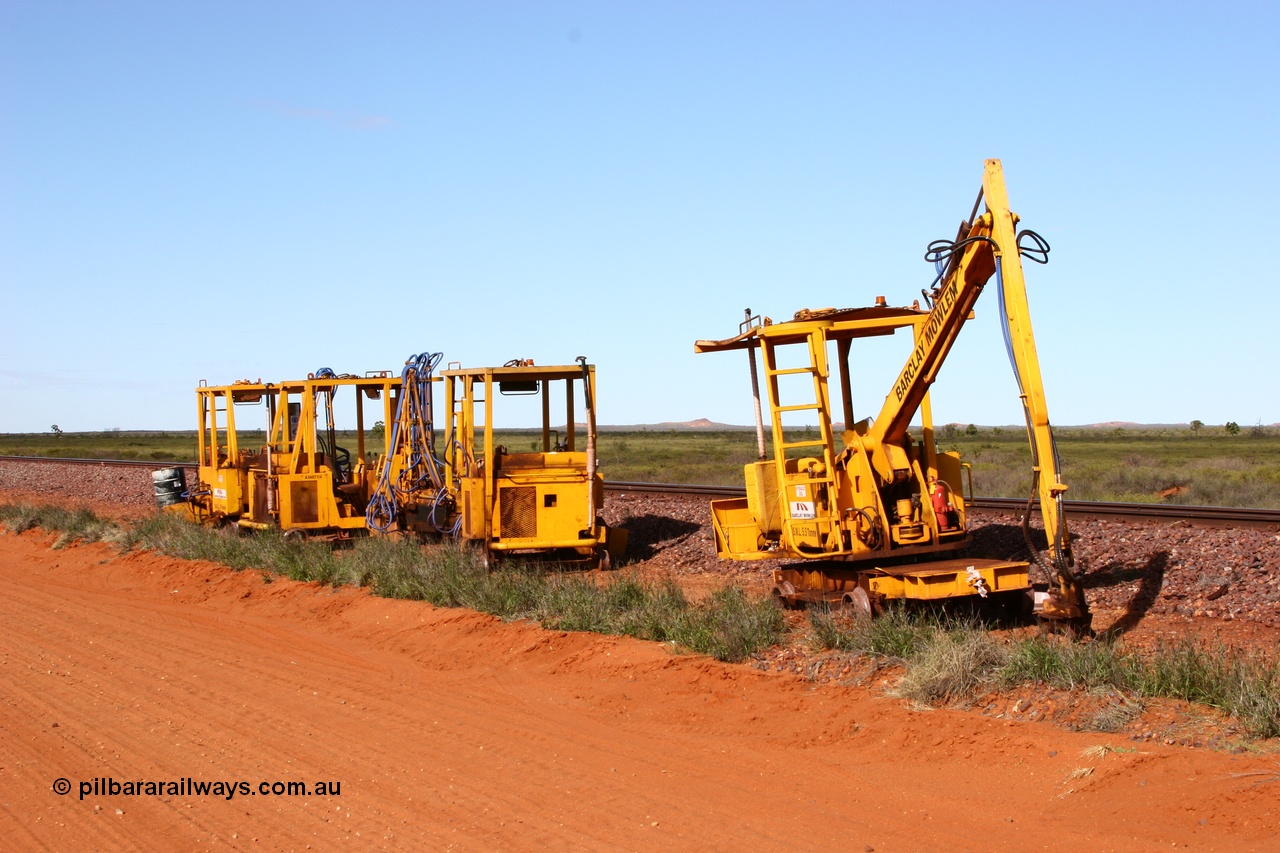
point(987, 246)
point(877, 519)
point(1066, 595)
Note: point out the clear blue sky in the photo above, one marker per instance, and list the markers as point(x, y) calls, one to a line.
point(243, 189)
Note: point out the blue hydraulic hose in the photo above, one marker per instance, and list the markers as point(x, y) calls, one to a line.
point(1058, 558)
point(414, 431)
point(1004, 323)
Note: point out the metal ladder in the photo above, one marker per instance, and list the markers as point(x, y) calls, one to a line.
point(817, 369)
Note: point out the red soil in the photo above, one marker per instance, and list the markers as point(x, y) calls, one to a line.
point(452, 730)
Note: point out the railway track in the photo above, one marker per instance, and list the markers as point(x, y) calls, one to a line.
point(1212, 516)
point(1218, 516)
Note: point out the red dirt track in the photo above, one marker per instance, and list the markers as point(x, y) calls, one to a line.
point(452, 730)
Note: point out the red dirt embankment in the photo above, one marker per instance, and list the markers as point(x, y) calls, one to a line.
point(451, 730)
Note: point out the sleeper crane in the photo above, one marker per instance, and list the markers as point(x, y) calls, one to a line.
point(882, 516)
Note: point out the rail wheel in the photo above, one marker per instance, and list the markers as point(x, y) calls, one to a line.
point(783, 595)
point(856, 603)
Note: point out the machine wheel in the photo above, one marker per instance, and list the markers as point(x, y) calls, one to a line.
point(856, 603)
point(782, 595)
point(605, 562)
point(295, 534)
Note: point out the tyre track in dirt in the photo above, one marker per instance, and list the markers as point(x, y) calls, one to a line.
point(448, 728)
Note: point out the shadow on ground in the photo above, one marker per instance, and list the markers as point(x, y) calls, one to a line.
point(1150, 578)
point(649, 534)
point(1005, 541)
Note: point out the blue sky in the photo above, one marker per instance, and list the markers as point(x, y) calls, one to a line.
point(241, 189)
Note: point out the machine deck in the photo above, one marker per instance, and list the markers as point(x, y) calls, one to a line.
point(921, 582)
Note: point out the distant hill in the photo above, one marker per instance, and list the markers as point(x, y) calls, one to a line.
point(699, 425)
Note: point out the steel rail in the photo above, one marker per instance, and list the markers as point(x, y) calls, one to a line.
point(1203, 515)
point(110, 463)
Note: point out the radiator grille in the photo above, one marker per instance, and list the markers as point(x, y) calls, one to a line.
point(519, 512)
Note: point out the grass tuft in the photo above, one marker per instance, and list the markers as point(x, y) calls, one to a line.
point(895, 636)
point(1245, 685)
point(72, 525)
point(953, 661)
point(953, 667)
point(731, 626)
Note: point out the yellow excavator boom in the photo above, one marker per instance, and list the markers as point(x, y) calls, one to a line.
point(885, 501)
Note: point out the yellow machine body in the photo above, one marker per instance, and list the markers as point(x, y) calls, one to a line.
point(269, 457)
point(875, 513)
point(821, 495)
point(545, 500)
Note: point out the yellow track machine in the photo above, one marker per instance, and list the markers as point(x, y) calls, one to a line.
point(871, 514)
point(541, 502)
point(297, 477)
